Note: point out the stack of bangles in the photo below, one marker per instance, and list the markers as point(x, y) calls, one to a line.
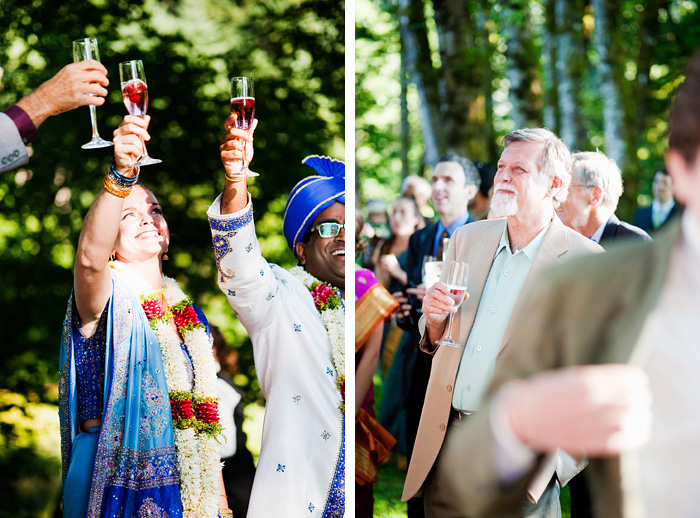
point(119, 185)
point(225, 512)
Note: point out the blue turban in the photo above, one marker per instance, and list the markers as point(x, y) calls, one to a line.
point(312, 195)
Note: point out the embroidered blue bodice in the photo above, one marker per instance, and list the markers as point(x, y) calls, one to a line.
point(90, 369)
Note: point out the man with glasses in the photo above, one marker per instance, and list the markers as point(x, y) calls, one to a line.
point(295, 320)
point(589, 208)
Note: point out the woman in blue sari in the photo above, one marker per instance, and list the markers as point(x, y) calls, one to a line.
point(137, 387)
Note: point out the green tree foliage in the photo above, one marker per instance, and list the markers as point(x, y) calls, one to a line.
point(295, 51)
point(650, 46)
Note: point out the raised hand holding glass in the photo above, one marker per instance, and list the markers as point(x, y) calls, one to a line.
point(243, 105)
point(135, 95)
point(83, 50)
point(457, 284)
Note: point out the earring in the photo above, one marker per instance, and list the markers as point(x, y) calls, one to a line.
point(113, 257)
point(165, 256)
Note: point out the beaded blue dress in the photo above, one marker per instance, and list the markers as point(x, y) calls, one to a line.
point(126, 467)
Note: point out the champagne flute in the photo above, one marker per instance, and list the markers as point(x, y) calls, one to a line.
point(84, 49)
point(135, 95)
point(243, 105)
point(431, 270)
point(457, 284)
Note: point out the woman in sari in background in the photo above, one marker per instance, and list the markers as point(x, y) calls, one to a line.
point(373, 305)
point(137, 388)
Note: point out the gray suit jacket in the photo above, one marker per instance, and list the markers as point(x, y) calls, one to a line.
point(477, 243)
point(593, 310)
point(13, 152)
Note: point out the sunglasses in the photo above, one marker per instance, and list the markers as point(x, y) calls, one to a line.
point(329, 229)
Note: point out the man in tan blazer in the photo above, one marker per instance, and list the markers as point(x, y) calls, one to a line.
point(504, 257)
point(618, 339)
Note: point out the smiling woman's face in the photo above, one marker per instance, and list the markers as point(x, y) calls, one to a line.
point(143, 231)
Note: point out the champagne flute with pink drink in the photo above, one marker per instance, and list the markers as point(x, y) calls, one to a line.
point(243, 105)
point(135, 95)
point(457, 284)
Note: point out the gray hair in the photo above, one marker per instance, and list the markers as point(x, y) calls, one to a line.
point(555, 161)
point(594, 169)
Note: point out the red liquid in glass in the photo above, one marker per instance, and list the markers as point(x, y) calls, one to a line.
point(244, 107)
point(135, 95)
point(457, 293)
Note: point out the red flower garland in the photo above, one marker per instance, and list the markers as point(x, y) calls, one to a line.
point(205, 416)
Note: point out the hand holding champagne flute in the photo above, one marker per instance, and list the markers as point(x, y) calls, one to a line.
point(83, 50)
point(457, 289)
point(135, 95)
point(243, 107)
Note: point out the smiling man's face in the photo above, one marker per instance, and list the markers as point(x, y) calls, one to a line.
point(324, 258)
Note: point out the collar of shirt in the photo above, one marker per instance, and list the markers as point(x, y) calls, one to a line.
point(599, 233)
point(450, 230)
point(662, 208)
point(530, 250)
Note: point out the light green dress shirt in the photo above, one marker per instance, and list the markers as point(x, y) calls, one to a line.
point(503, 284)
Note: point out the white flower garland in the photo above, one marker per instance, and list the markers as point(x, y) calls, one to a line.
point(334, 320)
point(198, 457)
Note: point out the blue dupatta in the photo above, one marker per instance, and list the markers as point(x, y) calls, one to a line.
point(135, 469)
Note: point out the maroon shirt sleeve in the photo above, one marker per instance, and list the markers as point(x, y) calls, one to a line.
point(24, 124)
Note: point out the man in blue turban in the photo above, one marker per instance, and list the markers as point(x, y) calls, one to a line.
point(299, 357)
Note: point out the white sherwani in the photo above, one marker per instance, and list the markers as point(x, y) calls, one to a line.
point(302, 456)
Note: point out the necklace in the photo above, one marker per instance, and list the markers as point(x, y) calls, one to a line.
point(195, 412)
point(332, 310)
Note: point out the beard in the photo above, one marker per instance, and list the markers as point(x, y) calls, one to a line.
point(504, 204)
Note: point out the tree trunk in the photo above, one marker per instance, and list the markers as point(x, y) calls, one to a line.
point(414, 40)
point(492, 148)
point(461, 80)
point(521, 66)
point(570, 68)
point(405, 136)
point(605, 12)
point(550, 112)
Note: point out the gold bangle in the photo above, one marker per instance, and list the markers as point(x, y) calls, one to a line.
point(237, 178)
point(225, 512)
point(114, 189)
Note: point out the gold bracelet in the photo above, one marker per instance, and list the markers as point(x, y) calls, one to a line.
point(225, 512)
point(237, 178)
point(115, 189)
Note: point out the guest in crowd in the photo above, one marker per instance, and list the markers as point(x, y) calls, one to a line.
point(605, 366)
point(589, 208)
point(663, 206)
point(504, 256)
point(75, 85)
point(403, 222)
point(239, 468)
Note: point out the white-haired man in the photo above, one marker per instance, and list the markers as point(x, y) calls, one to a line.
point(589, 208)
point(504, 257)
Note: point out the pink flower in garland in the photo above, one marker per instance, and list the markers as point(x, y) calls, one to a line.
point(154, 308)
point(324, 297)
point(181, 409)
point(186, 317)
point(207, 412)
